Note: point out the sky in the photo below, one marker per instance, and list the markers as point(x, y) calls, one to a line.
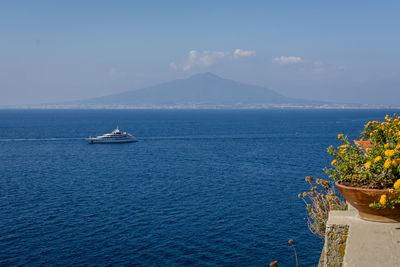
point(338, 51)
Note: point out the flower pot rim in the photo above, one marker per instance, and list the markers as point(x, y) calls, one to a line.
point(360, 189)
point(360, 140)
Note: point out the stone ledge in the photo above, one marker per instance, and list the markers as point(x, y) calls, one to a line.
point(366, 243)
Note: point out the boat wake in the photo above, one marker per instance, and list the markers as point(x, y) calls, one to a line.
point(159, 138)
point(37, 139)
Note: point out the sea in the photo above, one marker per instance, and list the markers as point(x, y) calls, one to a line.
point(200, 188)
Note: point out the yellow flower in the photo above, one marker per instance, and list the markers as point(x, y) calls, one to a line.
point(397, 184)
point(383, 200)
point(397, 161)
point(394, 162)
point(390, 130)
point(397, 146)
point(391, 190)
point(343, 151)
point(334, 162)
point(387, 117)
point(343, 146)
point(390, 153)
point(299, 195)
point(386, 146)
point(378, 158)
point(370, 134)
point(387, 164)
point(368, 164)
point(367, 149)
point(340, 136)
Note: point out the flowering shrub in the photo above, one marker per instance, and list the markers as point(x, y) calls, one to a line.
point(319, 201)
point(377, 166)
point(387, 200)
point(383, 133)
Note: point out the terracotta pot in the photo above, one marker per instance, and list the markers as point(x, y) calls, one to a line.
point(360, 199)
point(363, 144)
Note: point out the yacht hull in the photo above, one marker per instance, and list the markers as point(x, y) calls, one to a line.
point(99, 141)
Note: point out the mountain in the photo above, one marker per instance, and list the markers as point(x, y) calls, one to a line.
point(200, 90)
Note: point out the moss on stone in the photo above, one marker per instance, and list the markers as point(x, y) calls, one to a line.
point(335, 244)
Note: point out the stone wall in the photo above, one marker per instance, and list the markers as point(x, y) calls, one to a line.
point(353, 242)
point(335, 244)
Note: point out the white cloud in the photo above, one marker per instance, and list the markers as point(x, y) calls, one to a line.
point(112, 71)
point(203, 59)
point(319, 67)
point(208, 58)
point(288, 60)
point(173, 65)
point(115, 74)
point(243, 53)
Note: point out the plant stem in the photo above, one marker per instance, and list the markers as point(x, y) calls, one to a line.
point(295, 254)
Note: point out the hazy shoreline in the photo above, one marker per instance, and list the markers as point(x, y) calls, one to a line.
point(194, 107)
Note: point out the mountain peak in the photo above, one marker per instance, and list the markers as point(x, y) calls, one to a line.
point(205, 76)
point(199, 90)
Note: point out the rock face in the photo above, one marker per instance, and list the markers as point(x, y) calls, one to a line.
point(203, 89)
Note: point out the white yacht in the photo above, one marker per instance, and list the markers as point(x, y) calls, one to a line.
point(115, 136)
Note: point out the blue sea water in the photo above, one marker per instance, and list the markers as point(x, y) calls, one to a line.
point(201, 187)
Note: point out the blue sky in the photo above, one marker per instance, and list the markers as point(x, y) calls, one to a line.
point(343, 51)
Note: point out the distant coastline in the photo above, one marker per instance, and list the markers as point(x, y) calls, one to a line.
point(199, 91)
point(202, 107)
